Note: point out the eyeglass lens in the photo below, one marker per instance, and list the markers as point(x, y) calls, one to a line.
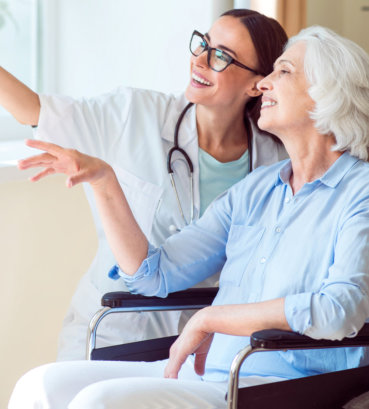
point(217, 60)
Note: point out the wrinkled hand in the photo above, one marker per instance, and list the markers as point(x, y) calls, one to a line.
point(193, 339)
point(55, 159)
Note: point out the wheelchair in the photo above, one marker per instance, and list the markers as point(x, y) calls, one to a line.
point(324, 391)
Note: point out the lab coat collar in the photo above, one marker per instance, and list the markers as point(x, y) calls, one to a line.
point(187, 129)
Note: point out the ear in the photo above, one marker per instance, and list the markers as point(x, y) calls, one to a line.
point(252, 89)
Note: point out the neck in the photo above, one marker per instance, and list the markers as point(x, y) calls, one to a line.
point(310, 160)
point(221, 133)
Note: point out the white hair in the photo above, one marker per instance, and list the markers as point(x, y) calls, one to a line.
point(338, 72)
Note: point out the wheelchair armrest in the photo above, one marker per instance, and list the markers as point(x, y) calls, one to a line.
point(283, 340)
point(276, 339)
point(194, 296)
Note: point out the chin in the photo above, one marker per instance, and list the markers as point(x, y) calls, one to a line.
point(192, 96)
point(264, 125)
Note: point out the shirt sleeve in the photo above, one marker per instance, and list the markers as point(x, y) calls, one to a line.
point(186, 258)
point(93, 126)
point(341, 306)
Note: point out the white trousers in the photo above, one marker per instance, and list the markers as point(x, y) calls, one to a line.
point(119, 385)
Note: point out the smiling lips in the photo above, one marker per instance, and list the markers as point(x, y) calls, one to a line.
point(198, 80)
point(267, 103)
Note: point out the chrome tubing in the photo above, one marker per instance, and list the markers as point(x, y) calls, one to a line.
point(234, 374)
point(92, 328)
point(101, 314)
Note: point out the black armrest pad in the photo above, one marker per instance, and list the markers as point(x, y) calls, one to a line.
point(149, 350)
point(276, 339)
point(193, 296)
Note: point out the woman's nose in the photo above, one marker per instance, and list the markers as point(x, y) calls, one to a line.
point(202, 59)
point(264, 84)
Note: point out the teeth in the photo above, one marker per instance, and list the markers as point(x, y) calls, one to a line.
point(201, 80)
point(268, 104)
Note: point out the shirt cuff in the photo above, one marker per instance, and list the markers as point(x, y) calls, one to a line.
point(146, 268)
point(297, 308)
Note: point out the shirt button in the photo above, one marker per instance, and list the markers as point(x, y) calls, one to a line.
point(287, 200)
point(278, 230)
point(262, 260)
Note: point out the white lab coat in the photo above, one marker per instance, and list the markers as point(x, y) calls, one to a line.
point(132, 130)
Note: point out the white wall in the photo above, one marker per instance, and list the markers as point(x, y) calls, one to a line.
point(97, 45)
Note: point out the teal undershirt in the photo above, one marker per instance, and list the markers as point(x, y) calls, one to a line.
point(216, 177)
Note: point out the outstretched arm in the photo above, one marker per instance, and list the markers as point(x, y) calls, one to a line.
point(125, 237)
point(18, 99)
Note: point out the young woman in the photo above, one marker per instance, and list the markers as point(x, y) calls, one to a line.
point(134, 130)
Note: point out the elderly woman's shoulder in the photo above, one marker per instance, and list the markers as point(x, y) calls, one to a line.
point(356, 180)
point(361, 170)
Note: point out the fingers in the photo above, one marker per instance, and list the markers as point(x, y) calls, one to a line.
point(44, 146)
point(172, 369)
point(79, 167)
point(177, 356)
point(199, 364)
point(40, 175)
point(38, 161)
point(67, 161)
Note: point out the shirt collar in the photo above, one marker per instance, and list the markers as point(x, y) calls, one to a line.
point(331, 178)
point(284, 173)
point(338, 170)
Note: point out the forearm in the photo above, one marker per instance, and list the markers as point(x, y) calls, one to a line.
point(127, 241)
point(244, 319)
point(18, 99)
point(238, 320)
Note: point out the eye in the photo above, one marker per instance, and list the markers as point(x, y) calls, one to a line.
point(283, 72)
point(220, 55)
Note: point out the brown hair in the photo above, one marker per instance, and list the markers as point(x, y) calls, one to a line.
point(268, 38)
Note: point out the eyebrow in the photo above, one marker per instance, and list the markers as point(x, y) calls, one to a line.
point(279, 62)
point(225, 48)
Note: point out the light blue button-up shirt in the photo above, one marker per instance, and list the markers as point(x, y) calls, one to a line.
point(311, 248)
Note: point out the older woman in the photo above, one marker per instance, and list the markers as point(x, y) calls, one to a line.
point(292, 241)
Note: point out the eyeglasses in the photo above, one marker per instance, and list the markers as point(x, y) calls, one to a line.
point(218, 60)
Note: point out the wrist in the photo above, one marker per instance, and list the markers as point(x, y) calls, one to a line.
point(204, 318)
point(104, 179)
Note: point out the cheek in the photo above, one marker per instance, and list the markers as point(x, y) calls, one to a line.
point(232, 85)
point(192, 62)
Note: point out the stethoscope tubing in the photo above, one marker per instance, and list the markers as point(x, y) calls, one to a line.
point(188, 160)
point(177, 148)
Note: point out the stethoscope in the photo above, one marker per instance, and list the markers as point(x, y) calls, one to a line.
point(182, 152)
point(176, 148)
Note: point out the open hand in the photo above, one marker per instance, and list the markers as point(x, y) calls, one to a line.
point(55, 159)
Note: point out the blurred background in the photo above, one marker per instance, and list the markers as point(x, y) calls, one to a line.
point(84, 48)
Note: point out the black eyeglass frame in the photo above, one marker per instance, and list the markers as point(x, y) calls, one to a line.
point(209, 49)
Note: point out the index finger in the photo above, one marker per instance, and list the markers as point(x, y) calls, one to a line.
point(44, 146)
point(171, 370)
